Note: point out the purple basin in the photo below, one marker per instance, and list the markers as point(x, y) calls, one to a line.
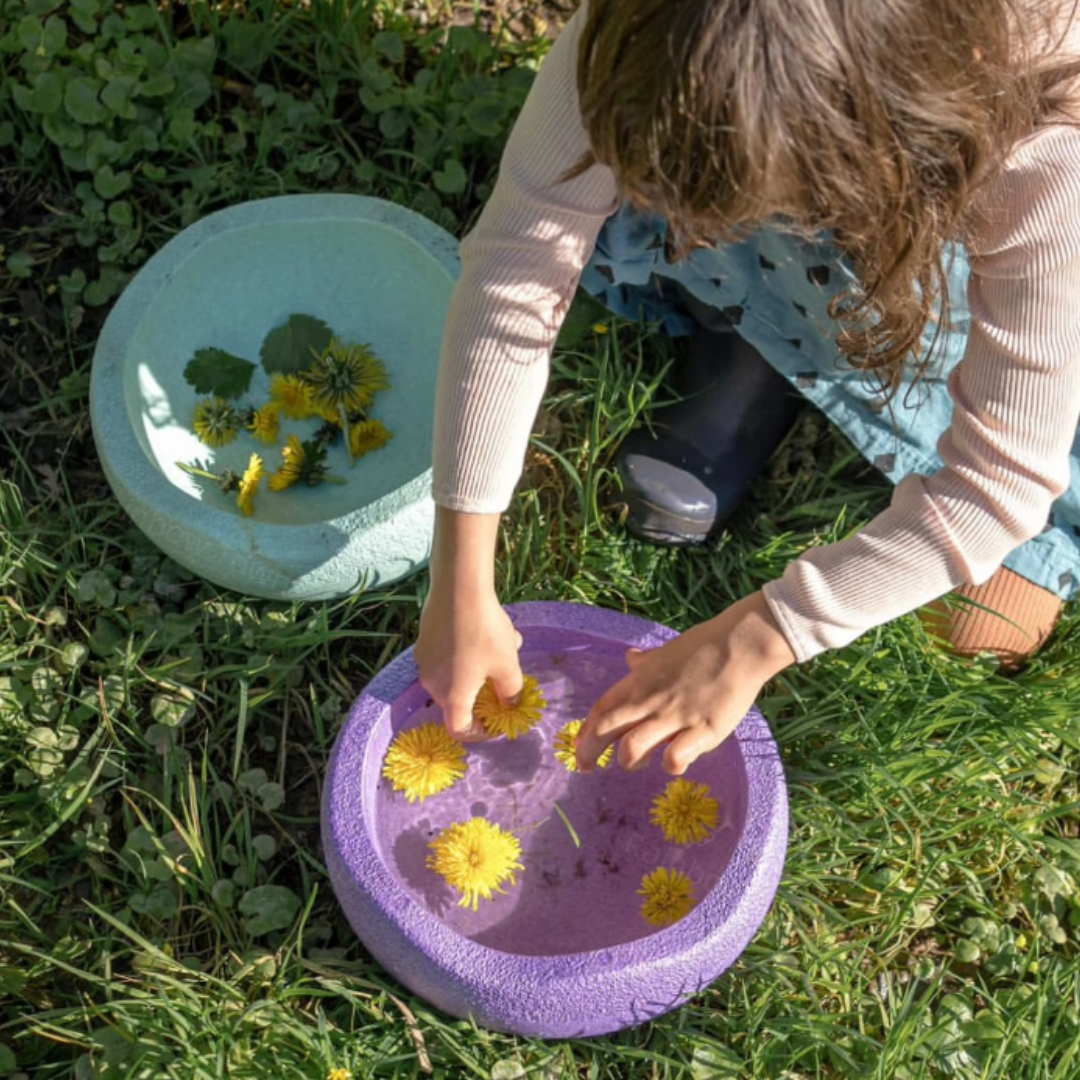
point(565, 952)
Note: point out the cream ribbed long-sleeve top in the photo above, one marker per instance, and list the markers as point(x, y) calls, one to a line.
point(1016, 392)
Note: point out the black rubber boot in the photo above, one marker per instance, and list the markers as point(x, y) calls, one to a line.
point(682, 485)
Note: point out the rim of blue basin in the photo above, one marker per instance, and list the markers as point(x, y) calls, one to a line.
point(161, 509)
point(568, 995)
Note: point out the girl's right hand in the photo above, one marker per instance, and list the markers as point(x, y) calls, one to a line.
point(465, 636)
point(461, 644)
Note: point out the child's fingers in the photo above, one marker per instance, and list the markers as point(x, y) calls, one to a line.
point(508, 683)
point(636, 747)
point(705, 737)
point(458, 717)
point(687, 746)
point(613, 714)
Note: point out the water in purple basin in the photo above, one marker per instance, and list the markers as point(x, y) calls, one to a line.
point(569, 898)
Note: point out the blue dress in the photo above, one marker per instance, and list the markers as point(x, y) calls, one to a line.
point(775, 289)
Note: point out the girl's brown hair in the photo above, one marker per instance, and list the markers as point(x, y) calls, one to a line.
point(872, 120)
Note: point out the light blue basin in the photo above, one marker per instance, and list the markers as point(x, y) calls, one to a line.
point(376, 273)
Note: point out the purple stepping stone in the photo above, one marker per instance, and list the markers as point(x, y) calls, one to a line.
point(565, 951)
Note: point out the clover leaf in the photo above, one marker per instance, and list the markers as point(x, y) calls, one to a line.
point(452, 179)
point(268, 908)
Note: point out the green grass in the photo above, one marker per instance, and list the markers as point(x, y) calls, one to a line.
point(163, 743)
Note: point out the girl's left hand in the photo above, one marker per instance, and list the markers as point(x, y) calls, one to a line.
point(690, 693)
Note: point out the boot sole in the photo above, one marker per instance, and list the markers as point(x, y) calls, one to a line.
point(648, 521)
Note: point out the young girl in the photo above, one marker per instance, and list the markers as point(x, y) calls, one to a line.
point(828, 173)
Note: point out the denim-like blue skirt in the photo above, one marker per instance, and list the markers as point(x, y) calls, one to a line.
point(775, 289)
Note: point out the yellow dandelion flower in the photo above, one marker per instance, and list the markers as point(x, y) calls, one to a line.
point(265, 422)
point(346, 375)
point(669, 896)
point(367, 435)
point(292, 396)
point(302, 463)
point(216, 421)
point(475, 857)
point(249, 483)
point(424, 761)
point(329, 414)
point(292, 465)
point(566, 746)
point(339, 1074)
point(686, 811)
point(510, 720)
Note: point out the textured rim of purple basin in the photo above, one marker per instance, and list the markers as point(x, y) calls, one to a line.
point(574, 994)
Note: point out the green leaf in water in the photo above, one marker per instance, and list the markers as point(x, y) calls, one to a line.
point(292, 347)
point(214, 371)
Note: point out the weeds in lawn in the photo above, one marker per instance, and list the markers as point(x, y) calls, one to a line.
point(159, 114)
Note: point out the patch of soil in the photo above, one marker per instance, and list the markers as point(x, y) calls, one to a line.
point(45, 351)
point(522, 20)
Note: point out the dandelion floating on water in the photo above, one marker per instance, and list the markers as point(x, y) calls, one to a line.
point(346, 376)
point(669, 896)
point(475, 857)
point(510, 720)
point(367, 435)
point(302, 463)
point(293, 459)
point(249, 483)
point(566, 746)
point(216, 421)
point(686, 811)
point(292, 395)
point(265, 422)
point(424, 761)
